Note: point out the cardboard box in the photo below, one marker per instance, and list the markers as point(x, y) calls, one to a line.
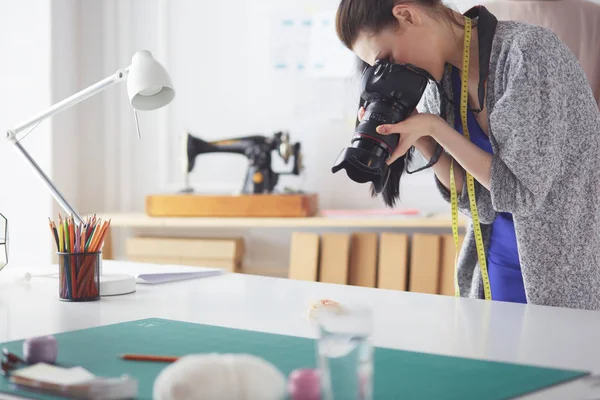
point(229, 249)
point(304, 256)
point(425, 263)
point(251, 205)
point(363, 260)
point(393, 261)
point(335, 257)
point(448, 263)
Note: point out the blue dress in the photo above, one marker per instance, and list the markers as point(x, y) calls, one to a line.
point(504, 269)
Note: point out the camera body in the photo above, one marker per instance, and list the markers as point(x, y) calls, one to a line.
point(390, 93)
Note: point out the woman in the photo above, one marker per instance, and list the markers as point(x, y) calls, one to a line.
point(533, 150)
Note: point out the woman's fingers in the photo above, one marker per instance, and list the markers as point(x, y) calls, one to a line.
point(394, 156)
point(400, 127)
point(361, 113)
point(404, 144)
point(396, 128)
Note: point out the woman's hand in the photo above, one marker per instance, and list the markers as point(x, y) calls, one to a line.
point(472, 158)
point(424, 144)
point(416, 128)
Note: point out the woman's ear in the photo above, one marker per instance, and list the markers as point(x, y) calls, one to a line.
point(406, 15)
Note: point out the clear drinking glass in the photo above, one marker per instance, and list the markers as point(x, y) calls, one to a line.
point(345, 354)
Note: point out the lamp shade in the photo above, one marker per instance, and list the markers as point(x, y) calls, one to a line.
point(148, 83)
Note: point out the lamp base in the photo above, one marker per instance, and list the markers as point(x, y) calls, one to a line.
point(110, 284)
point(116, 284)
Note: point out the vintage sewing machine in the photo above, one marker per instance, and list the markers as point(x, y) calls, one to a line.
point(260, 177)
point(258, 196)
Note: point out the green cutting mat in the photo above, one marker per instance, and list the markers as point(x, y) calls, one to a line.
point(412, 375)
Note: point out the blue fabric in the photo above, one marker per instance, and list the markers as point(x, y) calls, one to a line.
point(504, 268)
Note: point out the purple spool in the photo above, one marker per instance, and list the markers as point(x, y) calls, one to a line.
point(43, 349)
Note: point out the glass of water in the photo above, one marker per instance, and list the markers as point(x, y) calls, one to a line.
point(344, 353)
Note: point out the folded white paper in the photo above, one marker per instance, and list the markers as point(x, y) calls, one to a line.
point(165, 277)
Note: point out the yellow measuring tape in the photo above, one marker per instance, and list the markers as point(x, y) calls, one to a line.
point(464, 102)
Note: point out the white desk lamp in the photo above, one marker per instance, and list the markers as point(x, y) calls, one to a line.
point(149, 87)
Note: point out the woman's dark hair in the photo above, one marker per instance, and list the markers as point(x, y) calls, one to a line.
point(373, 16)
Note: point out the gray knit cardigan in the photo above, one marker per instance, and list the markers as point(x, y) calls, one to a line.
point(544, 128)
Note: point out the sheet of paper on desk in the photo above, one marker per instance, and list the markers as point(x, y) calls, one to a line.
point(153, 279)
point(55, 375)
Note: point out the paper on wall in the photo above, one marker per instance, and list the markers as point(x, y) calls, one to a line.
point(290, 35)
point(306, 42)
point(328, 57)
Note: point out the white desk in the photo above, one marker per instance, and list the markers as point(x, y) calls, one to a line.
point(445, 325)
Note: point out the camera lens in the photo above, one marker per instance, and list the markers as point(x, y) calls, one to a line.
point(362, 166)
point(365, 161)
point(391, 92)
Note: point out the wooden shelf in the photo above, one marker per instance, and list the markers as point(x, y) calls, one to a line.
point(141, 220)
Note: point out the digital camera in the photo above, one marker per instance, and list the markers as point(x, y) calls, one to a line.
point(390, 93)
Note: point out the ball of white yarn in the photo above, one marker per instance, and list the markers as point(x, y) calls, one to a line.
point(220, 376)
point(323, 305)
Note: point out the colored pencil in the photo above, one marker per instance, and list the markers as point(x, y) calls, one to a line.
point(54, 233)
point(148, 357)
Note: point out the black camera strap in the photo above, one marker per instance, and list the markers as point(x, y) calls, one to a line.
point(434, 159)
point(486, 29)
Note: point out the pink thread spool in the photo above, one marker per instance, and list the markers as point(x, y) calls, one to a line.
point(304, 384)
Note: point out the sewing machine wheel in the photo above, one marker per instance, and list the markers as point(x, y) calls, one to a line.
point(285, 150)
point(298, 159)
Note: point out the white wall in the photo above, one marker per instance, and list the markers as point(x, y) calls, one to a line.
point(217, 59)
point(220, 63)
point(218, 54)
point(64, 72)
point(43, 63)
point(26, 87)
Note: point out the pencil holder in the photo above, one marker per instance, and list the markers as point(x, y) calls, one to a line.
point(79, 276)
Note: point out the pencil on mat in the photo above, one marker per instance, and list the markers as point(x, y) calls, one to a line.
point(147, 357)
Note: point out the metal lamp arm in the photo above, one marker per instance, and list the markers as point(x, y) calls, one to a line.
point(11, 134)
point(96, 88)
